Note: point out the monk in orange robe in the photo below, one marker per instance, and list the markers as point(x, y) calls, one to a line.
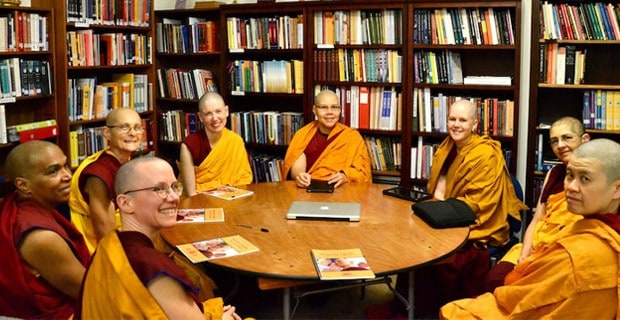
point(128, 277)
point(326, 149)
point(565, 134)
point(43, 255)
point(576, 276)
point(215, 156)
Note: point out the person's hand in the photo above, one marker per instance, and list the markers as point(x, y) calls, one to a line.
point(229, 313)
point(338, 179)
point(303, 180)
point(524, 254)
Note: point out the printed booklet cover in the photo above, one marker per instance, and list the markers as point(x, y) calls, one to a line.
point(229, 192)
point(217, 248)
point(341, 264)
point(200, 215)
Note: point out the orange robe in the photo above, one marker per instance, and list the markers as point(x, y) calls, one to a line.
point(226, 164)
point(576, 277)
point(556, 218)
point(479, 177)
point(347, 152)
point(112, 290)
point(80, 212)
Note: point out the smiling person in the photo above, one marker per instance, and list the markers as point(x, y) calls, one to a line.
point(577, 275)
point(214, 156)
point(43, 255)
point(128, 277)
point(326, 149)
point(469, 168)
point(92, 210)
point(565, 135)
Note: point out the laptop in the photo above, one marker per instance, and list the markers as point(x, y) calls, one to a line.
point(349, 211)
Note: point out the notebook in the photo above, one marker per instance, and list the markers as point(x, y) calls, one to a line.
point(349, 211)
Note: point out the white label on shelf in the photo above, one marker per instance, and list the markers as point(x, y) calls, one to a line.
point(82, 24)
point(239, 50)
point(7, 100)
point(237, 93)
point(324, 46)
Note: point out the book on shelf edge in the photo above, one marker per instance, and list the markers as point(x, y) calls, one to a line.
point(216, 248)
point(341, 264)
point(197, 215)
point(228, 192)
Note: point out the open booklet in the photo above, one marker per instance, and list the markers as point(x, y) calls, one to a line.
point(217, 248)
point(229, 192)
point(341, 264)
point(200, 215)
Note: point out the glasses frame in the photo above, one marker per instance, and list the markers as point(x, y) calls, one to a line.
point(159, 189)
point(125, 128)
point(328, 108)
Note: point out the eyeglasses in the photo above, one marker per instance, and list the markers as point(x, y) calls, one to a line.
point(125, 128)
point(328, 108)
point(162, 190)
point(566, 138)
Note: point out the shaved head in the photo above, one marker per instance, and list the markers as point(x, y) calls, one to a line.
point(26, 156)
point(575, 125)
point(210, 98)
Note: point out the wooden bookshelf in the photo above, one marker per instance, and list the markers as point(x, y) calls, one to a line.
point(554, 94)
point(103, 48)
point(27, 94)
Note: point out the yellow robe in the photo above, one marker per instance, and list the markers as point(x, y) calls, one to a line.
point(112, 290)
point(479, 177)
point(80, 212)
point(226, 164)
point(347, 153)
point(556, 218)
point(574, 278)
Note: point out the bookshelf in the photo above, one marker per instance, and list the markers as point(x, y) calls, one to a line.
point(357, 50)
point(27, 68)
point(477, 57)
point(107, 63)
point(187, 64)
point(270, 39)
point(564, 83)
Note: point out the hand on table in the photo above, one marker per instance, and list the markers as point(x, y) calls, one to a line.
point(303, 180)
point(338, 179)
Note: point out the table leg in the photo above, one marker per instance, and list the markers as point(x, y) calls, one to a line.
point(410, 296)
point(286, 303)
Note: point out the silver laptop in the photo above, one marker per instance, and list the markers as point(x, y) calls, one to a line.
point(324, 210)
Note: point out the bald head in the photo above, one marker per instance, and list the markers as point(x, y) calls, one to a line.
point(604, 151)
point(211, 99)
point(120, 116)
point(324, 95)
point(25, 157)
point(470, 106)
point(575, 125)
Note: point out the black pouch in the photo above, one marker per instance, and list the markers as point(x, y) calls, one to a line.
point(445, 214)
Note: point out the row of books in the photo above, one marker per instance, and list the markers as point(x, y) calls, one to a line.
point(437, 67)
point(358, 27)
point(110, 12)
point(175, 125)
point(266, 127)
point(184, 84)
point(23, 132)
point(23, 31)
point(363, 107)
point(601, 109)
point(561, 64)
point(385, 153)
point(266, 168)
point(86, 48)
point(198, 35)
point(89, 100)
point(360, 65)
point(19, 77)
point(276, 76)
point(421, 159)
point(495, 116)
point(84, 141)
point(464, 26)
point(583, 21)
point(274, 32)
